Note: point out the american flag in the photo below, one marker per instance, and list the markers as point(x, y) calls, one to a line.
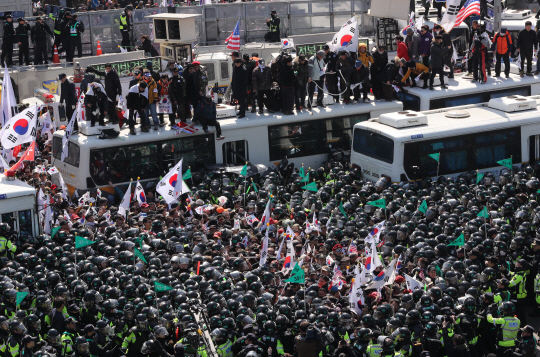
point(352, 248)
point(233, 41)
point(471, 7)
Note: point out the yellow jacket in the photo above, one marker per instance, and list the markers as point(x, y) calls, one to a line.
point(153, 94)
point(365, 57)
point(420, 68)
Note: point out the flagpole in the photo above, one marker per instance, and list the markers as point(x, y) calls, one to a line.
point(245, 188)
point(438, 164)
point(192, 184)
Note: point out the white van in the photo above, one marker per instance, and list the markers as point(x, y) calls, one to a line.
point(18, 207)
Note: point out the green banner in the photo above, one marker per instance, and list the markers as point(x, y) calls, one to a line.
point(297, 275)
point(186, 175)
point(483, 213)
point(479, 177)
point(436, 156)
point(302, 172)
point(255, 187)
point(306, 178)
point(506, 163)
point(243, 172)
point(459, 241)
point(54, 231)
point(381, 203)
point(20, 297)
point(423, 207)
point(139, 255)
point(81, 242)
point(311, 187)
point(159, 287)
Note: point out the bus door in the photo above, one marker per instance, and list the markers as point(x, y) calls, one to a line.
point(534, 148)
point(235, 153)
point(9, 218)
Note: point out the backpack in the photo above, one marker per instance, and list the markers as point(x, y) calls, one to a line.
point(109, 134)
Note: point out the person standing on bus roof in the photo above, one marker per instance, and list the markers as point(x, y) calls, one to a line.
point(437, 61)
point(153, 97)
point(446, 43)
point(96, 104)
point(360, 81)
point(137, 100)
point(113, 88)
point(316, 71)
point(345, 66)
point(378, 71)
point(527, 44)
point(163, 91)
point(402, 50)
point(503, 44)
point(68, 96)
point(239, 86)
point(177, 94)
point(205, 113)
point(286, 82)
point(426, 38)
point(413, 44)
point(262, 85)
point(414, 70)
point(331, 75)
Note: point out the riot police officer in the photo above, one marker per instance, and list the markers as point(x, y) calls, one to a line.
point(76, 28)
point(8, 38)
point(273, 34)
point(22, 32)
point(6, 247)
point(125, 26)
point(39, 38)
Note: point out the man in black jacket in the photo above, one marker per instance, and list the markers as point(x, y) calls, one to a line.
point(68, 96)
point(8, 39)
point(262, 85)
point(239, 86)
point(437, 61)
point(527, 44)
point(360, 81)
point(22, 32)
point(331, 74)
point(287, 86)
point(378, 71)
point(137, 100)
point(301, 69)
point(112, 88)
point(177, 94)
point(345, 66)
point(96, 104)
point(39, 38)
point(446, 42)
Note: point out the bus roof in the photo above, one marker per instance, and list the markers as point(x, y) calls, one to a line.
point(15, 188)
point(251, 120)
point(461, 85)
point(481, 118)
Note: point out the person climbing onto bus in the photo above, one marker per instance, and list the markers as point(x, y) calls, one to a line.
point(205, 113)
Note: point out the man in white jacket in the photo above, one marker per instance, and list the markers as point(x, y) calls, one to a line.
point(316, 71)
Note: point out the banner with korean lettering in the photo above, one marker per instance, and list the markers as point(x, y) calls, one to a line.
point(164, 106)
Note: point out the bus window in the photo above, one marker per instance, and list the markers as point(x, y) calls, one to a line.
point(525, 90)
point(224, 69)
point(9, 219)
point(495, 146)
point(210, 71)
point(74, 152)
point(373, 145)
point(25, 222)
point(410, 101)
point(456, 101)
point(235, 153)
point(312, 137)
point(196, 151)
point(533, 148)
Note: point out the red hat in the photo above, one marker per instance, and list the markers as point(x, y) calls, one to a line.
point(280, 231)
point(217, 235)
point(337, 246)
point(74, 216)
point(399, 279)
point(196, 62)
point(144, 205)
point(54, 187)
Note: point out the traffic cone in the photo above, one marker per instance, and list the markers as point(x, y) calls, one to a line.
point(56, 58)
point(99, 52)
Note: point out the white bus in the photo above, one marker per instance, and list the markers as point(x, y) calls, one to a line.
point(468, 138)
point(18, 207)
point(462, 91)
point(262, 139)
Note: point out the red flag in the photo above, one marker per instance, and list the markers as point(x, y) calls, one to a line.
point(28, 155)
point(16, 150)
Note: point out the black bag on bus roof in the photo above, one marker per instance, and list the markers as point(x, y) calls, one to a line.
point(109, 134)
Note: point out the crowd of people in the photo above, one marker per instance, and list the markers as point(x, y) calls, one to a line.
point(133, 288)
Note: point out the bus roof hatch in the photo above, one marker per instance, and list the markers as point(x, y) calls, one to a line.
point(404, 119)
point(512, 103)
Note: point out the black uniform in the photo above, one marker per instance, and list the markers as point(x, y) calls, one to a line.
point(177, 95)
point(273, 29)
point(39, 38)
point(239, 87)
point(96, 105)
point(8, 39)
point(22, 32)
point(331, 74)
point(68, 95)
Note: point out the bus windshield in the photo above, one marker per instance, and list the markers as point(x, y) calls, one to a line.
point(150, 160)
point(373, 145)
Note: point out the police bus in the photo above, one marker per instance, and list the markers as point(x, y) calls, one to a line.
point(18, 206)
point(462, 91)
point(262, 139)
point(468, 138)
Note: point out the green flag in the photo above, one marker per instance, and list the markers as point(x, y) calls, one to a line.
point(423, 207)
point(381, 203)
point(297, 275)
point(139, 255)
point(81, 242)
point(158, 287)
point(342, 209)
point(20, 297)
point(255, 187)
point(302, 173)
point(438, 270)
point(506, 163)
point(459, 241)
point(479, 176)
point(243, 172)
point(483, 213)
point(436, 156)
point(186, 175)
point(54, 231)
point(311, 187)
point(306, 178)
point(139, 240)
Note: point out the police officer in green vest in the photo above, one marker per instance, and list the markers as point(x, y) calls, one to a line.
point(28, 343)
point(136, 337)
point(76, 28)
point(273, 28)
point(126, 26)
point(14, 344)
point(518, 281)
point(222, 344)
point(509, 327)
point(5, 244)
point(374, 348)
point(8, 308)
point(502, 294)
point(81, 347)
point(68, 337)
point(527, 346)
point(189, 345)
point(58, 27)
